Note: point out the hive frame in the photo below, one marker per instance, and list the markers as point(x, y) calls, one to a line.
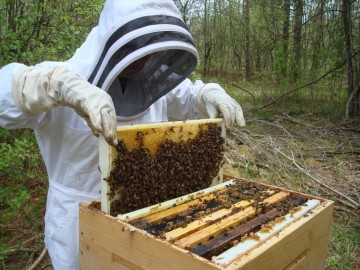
point(107, 153)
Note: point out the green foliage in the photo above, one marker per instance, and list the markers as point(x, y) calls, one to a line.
point(12, 200)
point(5, 135)
point(4, 251)
point(20, 163)
point(344, 246)
point(265, 42)
point(34, 31)
point(17, 157)
point(355, 143)
point(22, 188)
point(195, 75)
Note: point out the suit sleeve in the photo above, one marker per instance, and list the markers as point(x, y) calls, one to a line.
point(11, 116)
point(182, 101)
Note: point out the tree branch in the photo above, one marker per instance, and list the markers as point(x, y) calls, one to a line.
point(320, 182)
point(243, 89)
point(38, 260)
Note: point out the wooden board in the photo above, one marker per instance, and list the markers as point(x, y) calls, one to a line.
point(199, 224)
point(169, 213)
point(303, 245)
point(234, 234)
point(233, 220)
point(107, 243)
point(151, 136)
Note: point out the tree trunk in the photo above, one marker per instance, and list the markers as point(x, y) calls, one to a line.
point(207, 39)
point(285, 37)
point(318, 40)
point(298, 14)
point(235, 29)
point(352, 105)
point(248, 74)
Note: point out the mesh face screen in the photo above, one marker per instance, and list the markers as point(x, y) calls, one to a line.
point(162, 72)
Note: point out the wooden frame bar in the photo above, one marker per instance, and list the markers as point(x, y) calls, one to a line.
point(215, 229)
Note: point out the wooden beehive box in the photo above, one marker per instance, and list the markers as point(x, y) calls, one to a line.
point(270, 228)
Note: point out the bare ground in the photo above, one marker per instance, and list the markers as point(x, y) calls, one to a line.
point(304, 154)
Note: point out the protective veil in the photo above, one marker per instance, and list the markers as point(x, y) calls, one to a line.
point(128, 31)
point(149, 32)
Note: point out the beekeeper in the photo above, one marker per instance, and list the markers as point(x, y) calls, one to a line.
point(131, 69)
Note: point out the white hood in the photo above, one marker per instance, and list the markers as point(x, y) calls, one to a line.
point(128, 31)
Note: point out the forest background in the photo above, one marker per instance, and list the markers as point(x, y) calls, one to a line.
point(293, 65)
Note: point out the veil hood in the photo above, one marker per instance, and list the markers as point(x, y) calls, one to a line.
point(128, 31)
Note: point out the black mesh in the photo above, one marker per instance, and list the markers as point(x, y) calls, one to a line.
point(162, 72)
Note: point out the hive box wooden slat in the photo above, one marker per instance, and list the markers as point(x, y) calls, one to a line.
point(109, 243)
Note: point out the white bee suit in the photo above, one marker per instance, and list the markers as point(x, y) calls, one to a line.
point(127, 31)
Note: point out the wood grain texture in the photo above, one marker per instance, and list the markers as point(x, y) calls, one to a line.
point(201, 223)
point(107, 243)
point(217, 228)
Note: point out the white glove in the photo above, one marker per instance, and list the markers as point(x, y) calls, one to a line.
point(37, 90)
point(214, 101)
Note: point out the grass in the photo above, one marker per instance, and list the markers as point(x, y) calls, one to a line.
point(344, 247)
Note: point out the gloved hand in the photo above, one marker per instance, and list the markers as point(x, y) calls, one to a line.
point(36, 90)
point(213, 100)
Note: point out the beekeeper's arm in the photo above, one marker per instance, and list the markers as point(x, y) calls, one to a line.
point(36, 90)
point(198, 100)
